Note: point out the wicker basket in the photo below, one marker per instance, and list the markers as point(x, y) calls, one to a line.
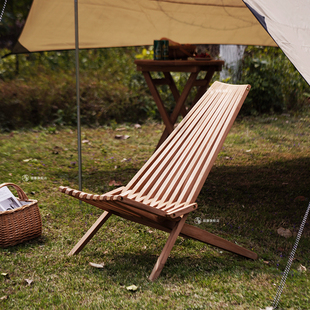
point(21, 224)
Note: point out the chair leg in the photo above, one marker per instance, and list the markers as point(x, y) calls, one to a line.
point(206, 237)
point(90, 233)
point(167, 248)
point(189, 231)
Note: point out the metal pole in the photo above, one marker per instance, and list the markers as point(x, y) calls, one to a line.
point(77, 69)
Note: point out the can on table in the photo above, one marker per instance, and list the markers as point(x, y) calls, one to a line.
point(157, 50)
point(165, 49)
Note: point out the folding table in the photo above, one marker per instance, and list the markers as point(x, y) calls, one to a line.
point(168, 66)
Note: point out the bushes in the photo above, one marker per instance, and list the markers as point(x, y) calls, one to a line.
point(44, 92)
point(276, 85)
point(53, 100)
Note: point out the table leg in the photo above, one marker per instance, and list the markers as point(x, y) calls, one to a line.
point(202, 89)
point(179, 104)
point(174, 91)
point(158, 101)
point(179, 108)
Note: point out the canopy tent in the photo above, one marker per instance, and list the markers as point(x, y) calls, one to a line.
point(106, 23)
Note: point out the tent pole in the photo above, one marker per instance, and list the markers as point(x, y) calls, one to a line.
point(77, 69)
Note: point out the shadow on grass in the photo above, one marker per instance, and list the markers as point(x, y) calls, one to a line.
point(280, 188)
point(250, 203)
point(180, 265)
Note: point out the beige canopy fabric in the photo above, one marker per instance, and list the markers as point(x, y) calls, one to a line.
point(110, 23)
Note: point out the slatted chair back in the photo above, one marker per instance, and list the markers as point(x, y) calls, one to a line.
point(178, 169)
point(163, 192)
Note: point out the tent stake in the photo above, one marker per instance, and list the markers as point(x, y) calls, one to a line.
point(77, 69)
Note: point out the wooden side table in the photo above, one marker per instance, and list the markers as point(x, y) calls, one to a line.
point(168, 66)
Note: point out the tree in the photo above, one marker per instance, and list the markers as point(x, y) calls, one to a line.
point(13, 20)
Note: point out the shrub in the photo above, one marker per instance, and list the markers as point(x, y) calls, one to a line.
point(39, 89)
point(276, 84)
point(45, 91)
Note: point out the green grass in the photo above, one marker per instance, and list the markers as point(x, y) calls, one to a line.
point(255, 187)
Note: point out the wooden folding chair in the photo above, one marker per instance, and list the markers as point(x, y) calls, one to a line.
point(164, 190)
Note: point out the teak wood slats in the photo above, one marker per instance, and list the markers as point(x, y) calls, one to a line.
point(165, 189)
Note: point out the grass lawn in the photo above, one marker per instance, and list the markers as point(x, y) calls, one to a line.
point(259, 183)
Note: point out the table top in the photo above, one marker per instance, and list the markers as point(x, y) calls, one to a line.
point(178, 65)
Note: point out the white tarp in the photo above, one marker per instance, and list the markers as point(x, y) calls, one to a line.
point(288, 23)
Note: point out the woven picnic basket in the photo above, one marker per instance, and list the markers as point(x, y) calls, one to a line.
point(21, 224)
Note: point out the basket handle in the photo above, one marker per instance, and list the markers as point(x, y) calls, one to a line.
point(20, 192)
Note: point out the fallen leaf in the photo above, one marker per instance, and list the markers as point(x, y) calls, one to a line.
point(4, 274)
point(120, 129)
point(248, 151)
point(100, 266)
point(302, 268)
point(137, 126)
point(132, 288)
point(122, 137)
point(266, 262)
point(85, 141)
point(115, 183)
point(286, 233)
point(29, 281)
point(26, 160)
point(4, 297)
